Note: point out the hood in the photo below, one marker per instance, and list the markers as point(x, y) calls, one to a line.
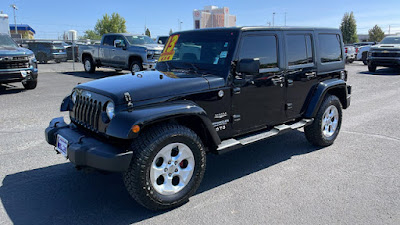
point(154, 46)
point(386, 47)
point(148, 85)
point(9, 51)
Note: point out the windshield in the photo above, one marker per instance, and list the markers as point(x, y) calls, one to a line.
point(391, 40)
point(139, 40)
point(162, 40)
point(7, 42)
point(210, 51)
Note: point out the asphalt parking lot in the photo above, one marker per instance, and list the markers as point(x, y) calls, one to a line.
point(283, 180)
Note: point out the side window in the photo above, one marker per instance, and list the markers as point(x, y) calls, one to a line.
point(299, 49)
point(120, 38)
point(108, 40)
point(330, 48)
point(263, 47)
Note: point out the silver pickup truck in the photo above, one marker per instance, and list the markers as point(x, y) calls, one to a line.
point(121, 51)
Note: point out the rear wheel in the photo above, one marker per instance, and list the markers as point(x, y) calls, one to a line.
point(89, 65)
point(167, 167)
point(41, 57)
point(326, 125)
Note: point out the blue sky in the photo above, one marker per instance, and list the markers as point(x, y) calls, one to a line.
point(52, 18)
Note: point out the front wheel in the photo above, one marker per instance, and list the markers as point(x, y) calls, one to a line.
point(136, 66)
point(30, 84)
point(326, 126)
point(167, 167)
point(371, 68)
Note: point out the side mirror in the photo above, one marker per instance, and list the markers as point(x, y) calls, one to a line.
point(249, 66)
point(118, 44)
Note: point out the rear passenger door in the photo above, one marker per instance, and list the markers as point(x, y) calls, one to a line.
point(301, 70)
point(106, 49)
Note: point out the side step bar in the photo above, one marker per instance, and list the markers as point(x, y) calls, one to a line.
point(232, 143)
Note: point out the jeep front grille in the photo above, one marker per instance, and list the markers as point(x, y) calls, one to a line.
point(86, 112)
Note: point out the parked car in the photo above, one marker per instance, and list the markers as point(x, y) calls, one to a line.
point(121, 51)
point(386, 54)
point(68, 48)
point(350, 51)
point(157, 126)
point(17, 64)
point(363, 49)
point(162, 39)
point(48, 50)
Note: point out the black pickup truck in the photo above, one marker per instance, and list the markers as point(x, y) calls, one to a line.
point(213, 90)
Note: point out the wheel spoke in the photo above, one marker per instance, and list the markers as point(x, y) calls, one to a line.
point(186, 173)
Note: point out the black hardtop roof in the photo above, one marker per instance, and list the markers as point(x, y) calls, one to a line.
point(262, 28)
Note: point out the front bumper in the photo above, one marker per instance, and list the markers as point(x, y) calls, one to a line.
point(384, 61)
point(150, 64)
point(86, 151)
point(17, 75)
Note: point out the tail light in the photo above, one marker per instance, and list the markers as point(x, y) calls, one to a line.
point(345, 50)
point(356, 50)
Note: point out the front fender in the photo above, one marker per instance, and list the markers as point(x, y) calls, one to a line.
point(339, 86)
point(120, 126)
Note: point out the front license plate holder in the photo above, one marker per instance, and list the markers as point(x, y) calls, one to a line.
point(62, 145)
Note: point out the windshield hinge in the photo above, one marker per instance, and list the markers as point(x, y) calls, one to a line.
point(128, 100)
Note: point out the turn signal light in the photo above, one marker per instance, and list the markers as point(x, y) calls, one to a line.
point(135, 129)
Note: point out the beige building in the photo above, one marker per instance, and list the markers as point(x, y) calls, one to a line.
point(212, 16)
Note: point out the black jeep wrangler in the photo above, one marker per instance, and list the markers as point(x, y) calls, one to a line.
point(213, 90)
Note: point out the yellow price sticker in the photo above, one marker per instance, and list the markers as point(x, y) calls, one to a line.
point(169, 52)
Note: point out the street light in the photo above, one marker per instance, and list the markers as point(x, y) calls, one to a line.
point(15, 19)
point(273, 19)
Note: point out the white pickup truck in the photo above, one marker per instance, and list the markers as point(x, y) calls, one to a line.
point(363, 49)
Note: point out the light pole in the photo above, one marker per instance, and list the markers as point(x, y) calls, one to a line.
point(180, 24)
point(273, 19)
point(15, 18)
point(285, 18)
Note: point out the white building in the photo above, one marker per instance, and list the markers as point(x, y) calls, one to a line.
point(212, 16)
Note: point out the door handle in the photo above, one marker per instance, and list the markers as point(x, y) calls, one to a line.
point(278, 81)
point(311, 75)
point(236, 90)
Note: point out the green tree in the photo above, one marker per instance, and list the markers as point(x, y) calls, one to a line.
point(170, 31)
point(108, 24)
point(349, 28)
point(147, 32)
point(376, 34)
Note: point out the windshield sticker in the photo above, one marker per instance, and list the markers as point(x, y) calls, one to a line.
point(216, 60)
point(223, 54)
point(226, 45)
point(169, 52)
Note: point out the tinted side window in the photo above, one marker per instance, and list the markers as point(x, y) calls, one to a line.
point(262, 47)
point(299, 49)
point(119, 38)
point(330, 48)
point(108, 40)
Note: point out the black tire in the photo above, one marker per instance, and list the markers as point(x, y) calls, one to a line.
point(145, 148)
point(371, 68)
point(41, 57)
point(351, 60)
point(88, 65)
point(29, 85)
point(135, 64)
point(365, 62)
point(57, 61)
point(314, 133)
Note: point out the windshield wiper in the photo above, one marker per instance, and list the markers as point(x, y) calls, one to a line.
point(194, 67)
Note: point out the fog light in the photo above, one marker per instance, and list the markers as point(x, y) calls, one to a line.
point(135, 129)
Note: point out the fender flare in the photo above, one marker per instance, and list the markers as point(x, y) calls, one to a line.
point(121, 125)
point(319, 94)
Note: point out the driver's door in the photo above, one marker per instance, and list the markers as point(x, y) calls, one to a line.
point(118, 54)
point(259, 100)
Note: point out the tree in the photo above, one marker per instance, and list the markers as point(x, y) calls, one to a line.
point(108, 24)
point(147, 32)
point(349, 28)
point(170, 31)
point(376, 34)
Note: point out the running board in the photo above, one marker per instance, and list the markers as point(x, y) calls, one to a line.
point(232, 143)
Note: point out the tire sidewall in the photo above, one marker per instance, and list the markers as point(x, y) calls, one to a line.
point(331, 100)
point(137, 63)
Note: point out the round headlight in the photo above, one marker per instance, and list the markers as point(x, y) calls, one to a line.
point(73, 97)
point(110, 110)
